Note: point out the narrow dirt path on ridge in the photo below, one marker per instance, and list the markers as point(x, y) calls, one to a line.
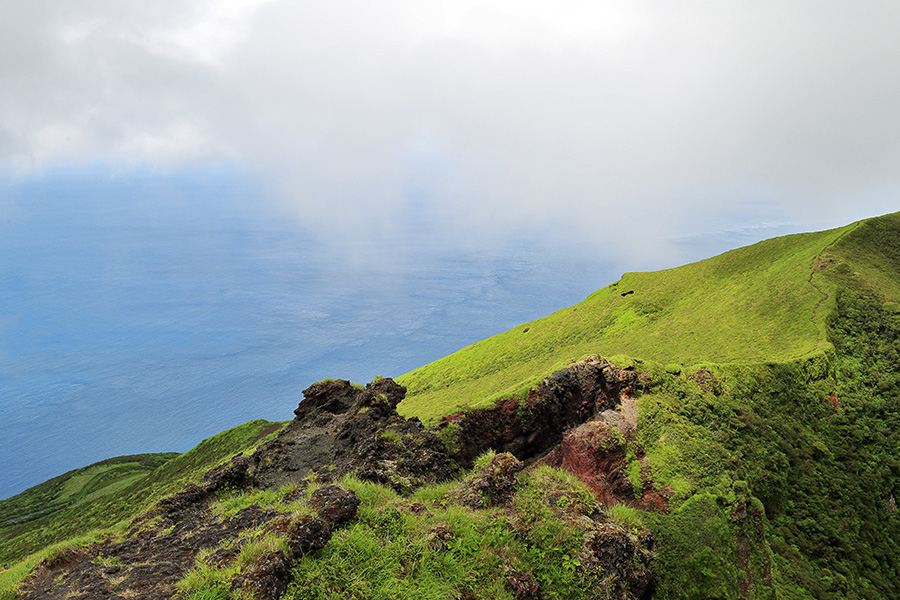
point(821, 265)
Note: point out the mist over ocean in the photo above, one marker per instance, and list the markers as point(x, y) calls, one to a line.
point(142, 312)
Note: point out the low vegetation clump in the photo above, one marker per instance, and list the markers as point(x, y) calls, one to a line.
point(785, 476)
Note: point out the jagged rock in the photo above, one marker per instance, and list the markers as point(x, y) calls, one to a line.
point(307, 534)
point(330, 396)
point(491, 485)
point(531, 427)
point(334, 504)
point(267, 579)
point(341, 428)
point(234, 475)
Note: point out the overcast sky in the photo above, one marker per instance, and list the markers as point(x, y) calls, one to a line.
point(618, 126)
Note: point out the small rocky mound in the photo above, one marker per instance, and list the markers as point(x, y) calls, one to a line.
point(334, 504)
point(491, 485)
point(342, 428)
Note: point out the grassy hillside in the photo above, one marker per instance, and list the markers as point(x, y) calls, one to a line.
point(761, 303)
point(99, 495)
point(79, 486)
point(869, 256)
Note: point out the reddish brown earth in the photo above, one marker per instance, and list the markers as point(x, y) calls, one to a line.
point(580, 419)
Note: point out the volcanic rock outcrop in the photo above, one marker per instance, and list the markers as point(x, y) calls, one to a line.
point(343, 428)
point(531, 427)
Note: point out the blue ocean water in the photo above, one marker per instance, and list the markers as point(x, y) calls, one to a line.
point(143, 312)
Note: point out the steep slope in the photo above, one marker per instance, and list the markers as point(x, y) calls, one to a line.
point(760, 303)
point(79, 486)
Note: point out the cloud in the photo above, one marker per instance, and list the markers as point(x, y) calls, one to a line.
point(616, 123)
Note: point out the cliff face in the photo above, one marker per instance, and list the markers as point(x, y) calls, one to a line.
point(341, 429)
point(580, 419)
point(531, 427)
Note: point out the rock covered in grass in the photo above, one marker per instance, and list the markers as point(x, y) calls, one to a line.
point(267, 579)
point(492, 484)
point(622, 556)
point(307, 534)
point(150, 562)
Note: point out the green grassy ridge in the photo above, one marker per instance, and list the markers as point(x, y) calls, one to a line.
point(759, 303)
point(80, 485)
point(868, 256)
point(122, 500)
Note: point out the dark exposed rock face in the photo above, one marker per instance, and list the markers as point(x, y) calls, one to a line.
point(341, 428)
point(578, 420)
point(528, 429)
point(160, 548)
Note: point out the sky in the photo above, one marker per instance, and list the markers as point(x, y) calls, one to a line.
point(615, 127)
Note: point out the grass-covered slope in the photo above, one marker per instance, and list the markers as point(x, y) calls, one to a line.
point(761, 303)
point(868, 256)
point(79, 486)
point(100, 495)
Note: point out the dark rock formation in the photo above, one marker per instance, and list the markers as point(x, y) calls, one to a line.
point(160, 548)
point(334, 504)
point(579, 419)
point(341, 428)
point(530, 428)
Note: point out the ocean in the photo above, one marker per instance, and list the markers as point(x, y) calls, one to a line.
point(143, 312)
